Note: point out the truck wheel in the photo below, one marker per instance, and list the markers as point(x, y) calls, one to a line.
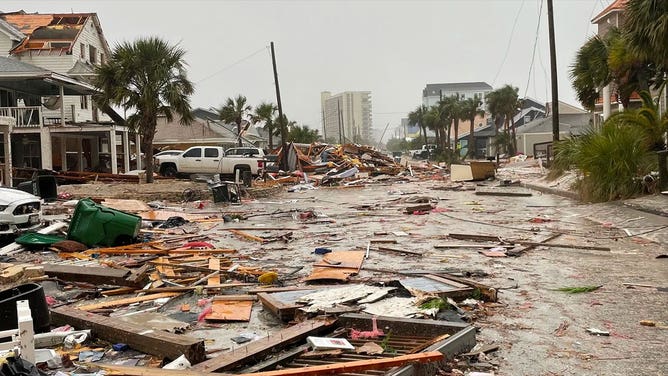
point(169, 171)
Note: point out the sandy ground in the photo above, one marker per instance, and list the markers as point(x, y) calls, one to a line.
point(524, 326)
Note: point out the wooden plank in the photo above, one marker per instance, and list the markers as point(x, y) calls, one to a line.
point(386, 249)
point(132, 206)
point(91, 274)
point(247, 236)
point(214, 265)
point(503, 192)
point(158, 343)
point(260, 348)
point(164, 267)
point(112, 369)
point(476, 237)
point(520, 251)
point(474, 245)
point(140, 275)
point(126, 301)
point(357, 365)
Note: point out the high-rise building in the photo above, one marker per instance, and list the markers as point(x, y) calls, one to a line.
point(346, 117)
point(432, 93)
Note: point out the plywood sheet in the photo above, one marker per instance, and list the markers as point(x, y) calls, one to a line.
point(230, 310)
point(132, 206)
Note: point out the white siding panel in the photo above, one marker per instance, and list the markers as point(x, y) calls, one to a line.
point(59, 63)
point(89, 37)
point(5, 44)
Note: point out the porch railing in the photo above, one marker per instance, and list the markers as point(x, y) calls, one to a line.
point(26, 116)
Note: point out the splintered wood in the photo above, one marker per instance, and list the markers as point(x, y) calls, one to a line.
point(338, 265)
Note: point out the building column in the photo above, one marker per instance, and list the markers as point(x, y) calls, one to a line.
point(62, 105)
point(63, 153)
point(606, 102)
point(126, 151)
point(80, 158)
point(7, 139)
point(46, 149)
point(138, 148)
point(112, 150)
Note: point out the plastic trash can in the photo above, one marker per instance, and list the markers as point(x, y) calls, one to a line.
point(39, 310)
point(95, 224)
point(44, 186)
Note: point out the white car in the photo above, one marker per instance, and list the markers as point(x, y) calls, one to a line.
point(19, 211)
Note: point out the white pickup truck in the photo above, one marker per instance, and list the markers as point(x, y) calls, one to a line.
point(212, 160)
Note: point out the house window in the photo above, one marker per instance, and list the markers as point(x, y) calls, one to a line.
point(82, 51)
point(92, 54)
point(84, 102)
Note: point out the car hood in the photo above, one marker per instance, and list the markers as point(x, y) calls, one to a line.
point(9, 195)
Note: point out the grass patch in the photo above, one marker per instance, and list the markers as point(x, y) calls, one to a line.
point(435, 303)
point(578, 290)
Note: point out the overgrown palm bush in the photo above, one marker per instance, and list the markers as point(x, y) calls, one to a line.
point(610, 161)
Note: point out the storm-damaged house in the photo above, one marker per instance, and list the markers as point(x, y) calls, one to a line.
point(47, 63)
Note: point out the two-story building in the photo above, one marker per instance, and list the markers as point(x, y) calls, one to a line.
point(47, 63)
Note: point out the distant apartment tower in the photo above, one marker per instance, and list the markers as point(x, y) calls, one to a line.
point(432, 93)
point(346, 117)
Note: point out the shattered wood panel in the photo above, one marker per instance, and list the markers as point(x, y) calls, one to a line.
point(336, 274)
point(154, 320)
point(214, 265)
point(90, 274)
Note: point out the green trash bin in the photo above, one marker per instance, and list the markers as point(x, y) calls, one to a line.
point(95, 224)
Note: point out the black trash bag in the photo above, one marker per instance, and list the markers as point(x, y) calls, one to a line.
point(19, 367)
point(172, 222)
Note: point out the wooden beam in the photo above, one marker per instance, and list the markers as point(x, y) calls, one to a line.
point(126, 301)
point(357, 365)
point(91, 274)
point(214, 265)
point(260, 348)
point(154, 342)
point(112, 369)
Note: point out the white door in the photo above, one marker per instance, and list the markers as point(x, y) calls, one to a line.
point(211, 160)
point(191, 161)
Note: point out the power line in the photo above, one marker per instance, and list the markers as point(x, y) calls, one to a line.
point(512, 32)
point(232, 65)
point(535, 43)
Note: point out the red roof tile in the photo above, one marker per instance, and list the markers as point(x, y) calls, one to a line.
point(617, 5)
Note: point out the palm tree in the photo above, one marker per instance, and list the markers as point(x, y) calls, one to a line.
point(470, 109)
point(234, 111)
point(148, 77)
point(303, 134)
point(609, 59)
point(264, 112)
point(647, 119)
point(495, 108)
point(417, 117)
point(450, 110)
point(589, 73)
point(646, 30)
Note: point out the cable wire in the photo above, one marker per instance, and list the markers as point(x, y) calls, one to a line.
point(535, 43)
point(510, 40)
point(232, 65)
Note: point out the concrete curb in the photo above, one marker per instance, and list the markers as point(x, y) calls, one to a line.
point(553, 191)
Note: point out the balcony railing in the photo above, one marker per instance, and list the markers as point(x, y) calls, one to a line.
point(26, 116)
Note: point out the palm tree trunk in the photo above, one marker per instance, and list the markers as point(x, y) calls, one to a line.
point(271, 139)
point(456, 136)
point(147, 146)
point(514, 137)
point(471, 139)
point(448, 136)
point(423, 130)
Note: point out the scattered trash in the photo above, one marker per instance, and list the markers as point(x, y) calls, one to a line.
point(598, 332)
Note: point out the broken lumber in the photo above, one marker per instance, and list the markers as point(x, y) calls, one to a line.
point(126, 301)
point(260, 348)
point(154, 342)
point(357, 365)
point(386, 249)
point(91, 274)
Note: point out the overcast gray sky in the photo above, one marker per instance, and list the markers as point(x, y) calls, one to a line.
point(392, 48)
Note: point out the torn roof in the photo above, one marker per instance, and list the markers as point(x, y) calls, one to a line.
point(47, 31)
point(616, 6)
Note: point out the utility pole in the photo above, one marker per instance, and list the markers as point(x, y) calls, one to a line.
point(284, 133)
point(553, 74)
